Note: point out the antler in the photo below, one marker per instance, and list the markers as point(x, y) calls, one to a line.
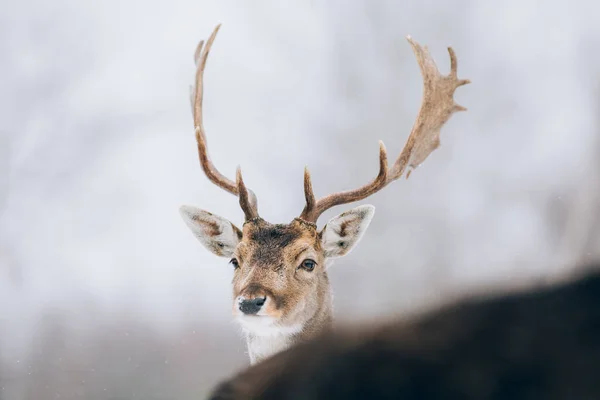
point(436, 109)
point(247, 198)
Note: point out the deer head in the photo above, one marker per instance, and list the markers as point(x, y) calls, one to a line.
point(280, 286)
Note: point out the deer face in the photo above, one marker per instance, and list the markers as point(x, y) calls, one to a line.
point(279, 270)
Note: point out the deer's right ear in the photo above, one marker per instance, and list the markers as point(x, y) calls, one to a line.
point(217, 234)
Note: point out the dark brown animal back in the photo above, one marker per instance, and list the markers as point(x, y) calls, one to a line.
point(542, 344)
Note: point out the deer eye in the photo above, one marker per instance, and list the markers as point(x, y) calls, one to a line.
point(308, 264)
point(235, 263)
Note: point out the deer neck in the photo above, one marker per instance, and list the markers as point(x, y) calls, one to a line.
point(265, 343)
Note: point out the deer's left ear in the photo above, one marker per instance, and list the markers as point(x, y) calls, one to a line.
point(344, 231)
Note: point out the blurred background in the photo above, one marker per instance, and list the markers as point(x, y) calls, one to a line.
point(105, 293)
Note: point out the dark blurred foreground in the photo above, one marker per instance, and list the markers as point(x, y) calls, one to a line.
point(542, 344)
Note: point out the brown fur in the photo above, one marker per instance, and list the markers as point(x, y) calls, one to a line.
point(270, 269)
point(542, 344)
point(269, 256)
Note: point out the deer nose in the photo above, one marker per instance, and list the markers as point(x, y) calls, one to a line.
point(251, 306)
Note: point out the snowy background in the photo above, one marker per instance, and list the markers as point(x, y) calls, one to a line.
point(105, 294)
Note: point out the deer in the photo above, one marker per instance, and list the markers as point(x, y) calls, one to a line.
point(537, 344)
point(281, 290)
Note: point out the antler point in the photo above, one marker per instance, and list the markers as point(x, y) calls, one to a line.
point(382, 149)
point(458, 107)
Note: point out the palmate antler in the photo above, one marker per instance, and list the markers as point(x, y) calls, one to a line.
point(436, 109)
point(247, 198)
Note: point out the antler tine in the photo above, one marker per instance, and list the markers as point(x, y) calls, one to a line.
point(196, 97)
point(313, 209)
point(245, 202)
point(308, 191)
point(437, 107)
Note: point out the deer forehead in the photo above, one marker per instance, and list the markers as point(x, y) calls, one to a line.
point(275, 245)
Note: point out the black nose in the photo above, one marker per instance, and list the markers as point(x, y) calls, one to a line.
point(251, 306)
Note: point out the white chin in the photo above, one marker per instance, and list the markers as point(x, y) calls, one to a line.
point(256, 324)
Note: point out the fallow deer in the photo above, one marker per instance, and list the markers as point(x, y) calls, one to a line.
point(541, 344)
point(281, 291)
